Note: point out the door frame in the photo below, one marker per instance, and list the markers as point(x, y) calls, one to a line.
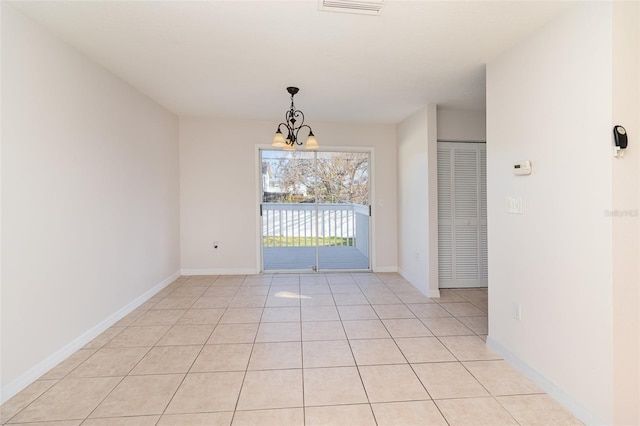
point(258, 201)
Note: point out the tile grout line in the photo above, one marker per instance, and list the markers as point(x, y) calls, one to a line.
point(406, 359)
point(164, 411)
point(304, 404)
point(365, 287)
point(246, 370)
point(125, 375)
point(364, 388)
point(411, 364)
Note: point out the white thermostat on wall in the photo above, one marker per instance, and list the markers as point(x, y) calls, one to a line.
point(521, 169)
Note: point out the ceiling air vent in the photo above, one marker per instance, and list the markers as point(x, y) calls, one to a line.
point(362, 7)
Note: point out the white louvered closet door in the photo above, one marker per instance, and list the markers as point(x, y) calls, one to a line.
point(462, 215)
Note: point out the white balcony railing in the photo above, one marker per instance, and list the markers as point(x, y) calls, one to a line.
point(308, 225)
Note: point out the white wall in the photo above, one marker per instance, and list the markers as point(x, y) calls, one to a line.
point(462, 125)
point(89, 199)
point(626, 183)
point(550, 100)
point(219, 193)
point(417, 200)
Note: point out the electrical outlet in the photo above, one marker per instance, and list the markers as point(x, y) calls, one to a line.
point(517, 311)
point(514, 205)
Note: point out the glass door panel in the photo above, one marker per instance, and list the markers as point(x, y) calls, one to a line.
point(343, 210)
point(288, 210)
point(315, 210)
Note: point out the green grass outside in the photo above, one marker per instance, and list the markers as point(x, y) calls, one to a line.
point(281, 241)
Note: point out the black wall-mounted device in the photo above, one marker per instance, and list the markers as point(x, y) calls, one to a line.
point(620, 137)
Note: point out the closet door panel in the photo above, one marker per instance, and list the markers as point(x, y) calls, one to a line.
point(462, 213)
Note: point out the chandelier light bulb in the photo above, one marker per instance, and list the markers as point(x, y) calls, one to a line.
point(278, 140)
point(312, 142)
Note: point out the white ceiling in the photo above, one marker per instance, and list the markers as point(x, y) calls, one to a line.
point(235, 58)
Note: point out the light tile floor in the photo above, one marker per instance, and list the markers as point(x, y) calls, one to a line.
point(290, 349)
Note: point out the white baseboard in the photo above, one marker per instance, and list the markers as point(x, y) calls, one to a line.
point(385, 269)
point(405, 275)
point(434, 294)
point(31, 375)
point(563, 398)
point(189, 272)
point(428, 293)
point(245, 271)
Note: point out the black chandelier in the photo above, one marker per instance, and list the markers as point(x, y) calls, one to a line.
point(293, 128)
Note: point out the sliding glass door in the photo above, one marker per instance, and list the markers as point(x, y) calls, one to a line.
point(315, 210)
